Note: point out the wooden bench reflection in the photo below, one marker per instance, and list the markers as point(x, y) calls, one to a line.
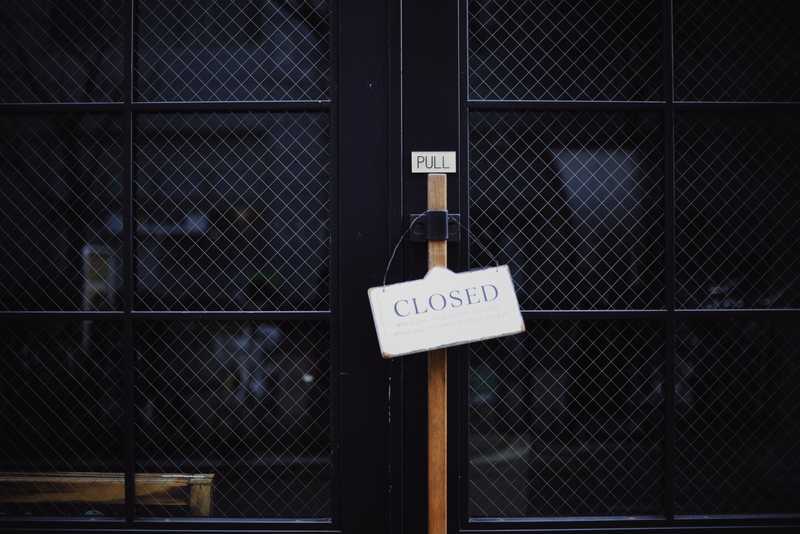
point(162, 489)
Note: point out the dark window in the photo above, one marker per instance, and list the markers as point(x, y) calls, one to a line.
point(139, 213)
point(245, 402)
point(737, 403)
point(566, 420)
point(565, 50)
point(737, 182)
point(573, 202)
point(60, 212)
point(737, 50)
point(232, 211)
point(61, 412)
point(56, 51)
point(226, 51)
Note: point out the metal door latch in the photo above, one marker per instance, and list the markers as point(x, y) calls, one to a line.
point(434, 226)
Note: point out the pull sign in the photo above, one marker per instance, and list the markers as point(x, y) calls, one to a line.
point(445, 309)
point(430, 162)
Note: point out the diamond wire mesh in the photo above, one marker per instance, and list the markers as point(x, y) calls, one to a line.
point(566, 420)
point(60, 411)
point(60, 211)
point(247, 402)
point(738, 406)
point(737, 205)
point(737, 50)
point(564, 50)
point(232, 211)
point(55, 51)
point(233, 51)
point(573, 202)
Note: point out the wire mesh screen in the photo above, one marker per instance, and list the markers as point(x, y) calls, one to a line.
point(232, 211)
point(737, 50)
point(566, 421)
point(564, 50)
point(60, 212)
point(737, 210)
point(243, 402)
point(226, 51)
point(60, 413)
point(738, 411)
point(55, 51)
point(573, 202)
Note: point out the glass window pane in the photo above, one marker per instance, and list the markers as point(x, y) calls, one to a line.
point(60, 212)
point(565, 50)
point(566, 420)
point(737, 205)
point(737, 403)
point(61, 419)
point(573, 202)
point(232, 51)
point(242, 407)
point(232, 211)
point(56, 51)
point(737, 50)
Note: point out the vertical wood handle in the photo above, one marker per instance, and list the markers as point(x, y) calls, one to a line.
point(437, 385)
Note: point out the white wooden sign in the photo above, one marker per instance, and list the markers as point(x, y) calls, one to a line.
point(445, 309)
point(433, 162)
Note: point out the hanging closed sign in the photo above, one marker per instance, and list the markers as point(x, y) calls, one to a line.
point(445, 309)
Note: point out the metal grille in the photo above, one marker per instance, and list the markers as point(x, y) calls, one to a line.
point(738, 407)
point(60, 411)
point(573, 202)
point(232, 211)
point(564, 50)
point(737, 211)
point(55, 51)
point(248, 402)
point(60, 212)
point(566, 421)
point(737, 50)
point(227, 51)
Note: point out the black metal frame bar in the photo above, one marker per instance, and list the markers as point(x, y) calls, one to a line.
point(361, 514)
point(667, 316)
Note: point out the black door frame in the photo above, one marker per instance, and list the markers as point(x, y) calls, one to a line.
point(430, 102)
point(358, 109)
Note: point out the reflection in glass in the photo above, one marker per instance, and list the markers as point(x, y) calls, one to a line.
point(737, 211)
point(564, 50)
point(244, 406)
point(566, 420)
point(232, 211)
point(61, 419)
point(737, 51)
point(60, 212)
point(737, 400)
point(232, 51)
point(573, 202)
point(56, 51)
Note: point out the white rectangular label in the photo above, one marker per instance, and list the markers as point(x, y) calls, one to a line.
point(433, 162)
point(445, 309)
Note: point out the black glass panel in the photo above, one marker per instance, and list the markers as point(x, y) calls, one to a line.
point(60, 212)
point(232, 211)
point(61, 419)
point(737, 211)
point(227, 51)
point(564, 50)
point(565, 420)
point(737, 50)
point(573, 202)
point(737, 399)
point(245, 405)
point(56, 51)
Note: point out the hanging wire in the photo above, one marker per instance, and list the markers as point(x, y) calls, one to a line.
point(408, 229)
